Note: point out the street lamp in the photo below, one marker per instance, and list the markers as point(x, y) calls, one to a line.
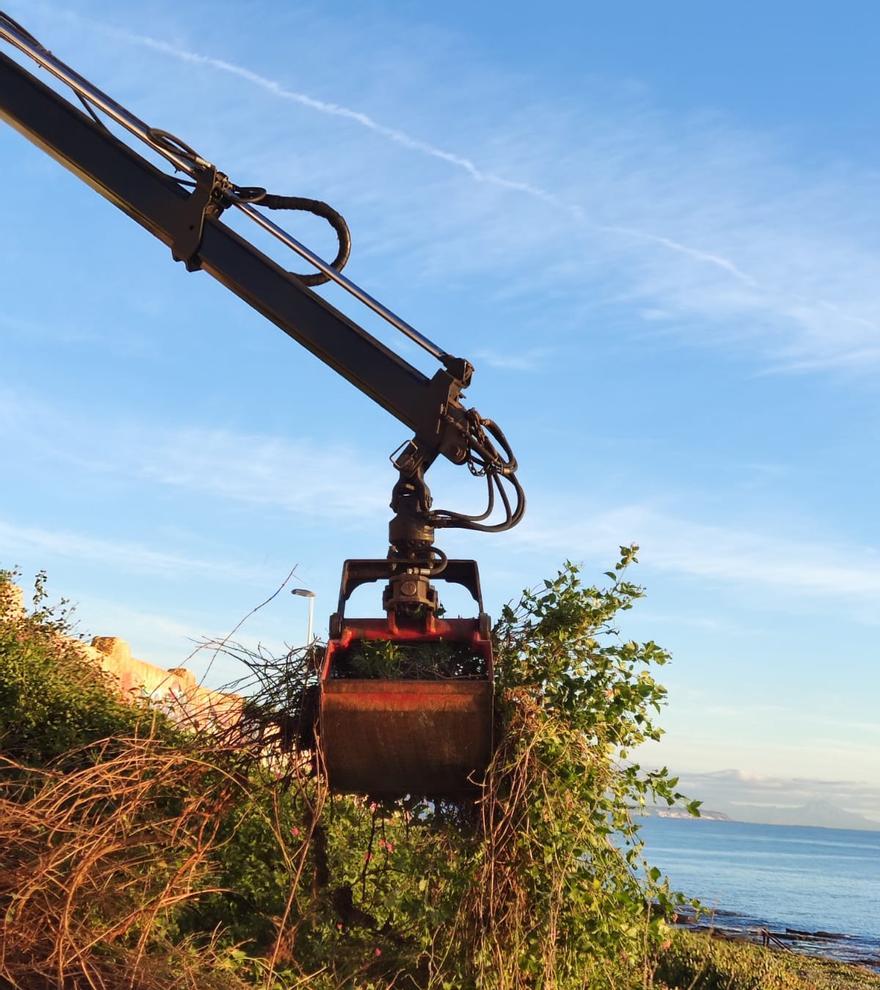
point(305, 593)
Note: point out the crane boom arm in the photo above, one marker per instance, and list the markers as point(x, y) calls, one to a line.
point(428, 406)
point(189, 222)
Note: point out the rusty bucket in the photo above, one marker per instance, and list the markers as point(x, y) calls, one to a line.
point(422, 736)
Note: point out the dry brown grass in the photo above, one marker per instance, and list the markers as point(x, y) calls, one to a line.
point(95, 861)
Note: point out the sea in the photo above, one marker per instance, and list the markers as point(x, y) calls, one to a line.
point(817, 889)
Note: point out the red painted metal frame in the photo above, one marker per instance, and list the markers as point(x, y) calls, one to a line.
point(462, 631)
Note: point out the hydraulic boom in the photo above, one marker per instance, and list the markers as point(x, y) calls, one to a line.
point(184, 210)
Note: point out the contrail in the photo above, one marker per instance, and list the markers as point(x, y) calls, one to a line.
point(706, 256)
point(356, 116)
point(399, 137)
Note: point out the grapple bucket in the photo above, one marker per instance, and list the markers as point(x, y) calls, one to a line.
point(407, 708)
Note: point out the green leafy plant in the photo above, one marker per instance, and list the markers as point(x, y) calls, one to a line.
point(561, 895)
point(53, 699)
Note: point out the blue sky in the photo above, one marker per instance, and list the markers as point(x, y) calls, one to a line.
point(654, 230)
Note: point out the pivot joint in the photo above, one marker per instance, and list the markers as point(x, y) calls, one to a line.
point(207, 201)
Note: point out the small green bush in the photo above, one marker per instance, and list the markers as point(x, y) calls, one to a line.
point(53, 700)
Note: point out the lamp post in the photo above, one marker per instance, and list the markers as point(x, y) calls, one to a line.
point(305, 593)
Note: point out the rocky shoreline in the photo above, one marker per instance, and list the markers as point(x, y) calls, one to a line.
point(835, 946)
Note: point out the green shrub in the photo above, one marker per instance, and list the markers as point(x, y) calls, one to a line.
point(561, 897)
point(53, 700)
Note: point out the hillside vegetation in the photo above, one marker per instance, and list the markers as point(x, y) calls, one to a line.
point(134, 854)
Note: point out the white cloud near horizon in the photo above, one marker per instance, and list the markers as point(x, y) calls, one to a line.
point(738, 788)
point(189, 640)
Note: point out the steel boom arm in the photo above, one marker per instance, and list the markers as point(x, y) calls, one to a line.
point(189, 223)
point(428, 406)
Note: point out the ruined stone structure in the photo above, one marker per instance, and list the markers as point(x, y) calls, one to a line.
point(175, 691)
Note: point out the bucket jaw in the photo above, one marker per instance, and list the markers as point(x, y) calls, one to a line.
point(406, 701)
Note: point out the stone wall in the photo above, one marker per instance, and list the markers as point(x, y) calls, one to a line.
point(175, 690)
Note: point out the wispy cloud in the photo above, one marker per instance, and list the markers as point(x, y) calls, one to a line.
point(722, 553)
point(723, 236)
point(17, 539)
point(529, 359)
point(393, 134)
point(295, 475)
point(459, 161)
point(301, 477)
point(713, 227)
point(44, 332)
point(60, 332)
